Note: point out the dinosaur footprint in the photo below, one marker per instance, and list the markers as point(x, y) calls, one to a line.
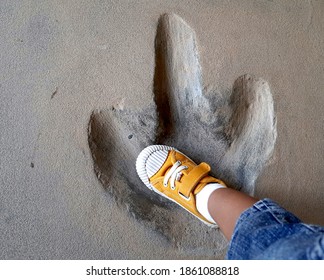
point(234, 131)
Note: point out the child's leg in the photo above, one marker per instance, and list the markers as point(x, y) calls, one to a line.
point(226, 205)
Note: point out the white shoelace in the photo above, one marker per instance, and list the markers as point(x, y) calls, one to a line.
point(174, 174)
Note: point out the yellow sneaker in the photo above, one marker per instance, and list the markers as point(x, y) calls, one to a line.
point(173, 175)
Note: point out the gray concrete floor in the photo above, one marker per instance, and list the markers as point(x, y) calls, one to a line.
point(62, 59)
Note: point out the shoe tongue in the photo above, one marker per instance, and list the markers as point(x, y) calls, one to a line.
point(184, 161)
point(170, 161)
point(175, 156)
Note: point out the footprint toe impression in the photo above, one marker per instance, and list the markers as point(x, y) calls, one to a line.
point(234, 131)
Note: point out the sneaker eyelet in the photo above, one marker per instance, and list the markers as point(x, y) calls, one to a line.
point(173, 188)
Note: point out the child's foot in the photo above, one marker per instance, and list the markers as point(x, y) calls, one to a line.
point(173, 175)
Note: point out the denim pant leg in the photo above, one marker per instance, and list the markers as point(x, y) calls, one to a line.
point(267, 231)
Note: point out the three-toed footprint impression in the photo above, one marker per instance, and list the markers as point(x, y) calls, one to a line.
point(234, 131)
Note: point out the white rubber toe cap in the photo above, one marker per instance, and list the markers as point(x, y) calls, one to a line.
point(150, 160)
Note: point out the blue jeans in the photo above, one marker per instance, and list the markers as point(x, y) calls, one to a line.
point(267, 231)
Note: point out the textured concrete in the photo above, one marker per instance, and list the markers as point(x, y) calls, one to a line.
point(61, 60)
point(234, 131)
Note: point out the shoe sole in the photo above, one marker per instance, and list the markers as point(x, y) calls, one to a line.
point(142, 173)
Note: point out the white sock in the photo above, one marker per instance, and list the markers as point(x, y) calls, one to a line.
point(202, 199)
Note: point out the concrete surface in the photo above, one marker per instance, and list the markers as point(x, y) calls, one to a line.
point(60, 60)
